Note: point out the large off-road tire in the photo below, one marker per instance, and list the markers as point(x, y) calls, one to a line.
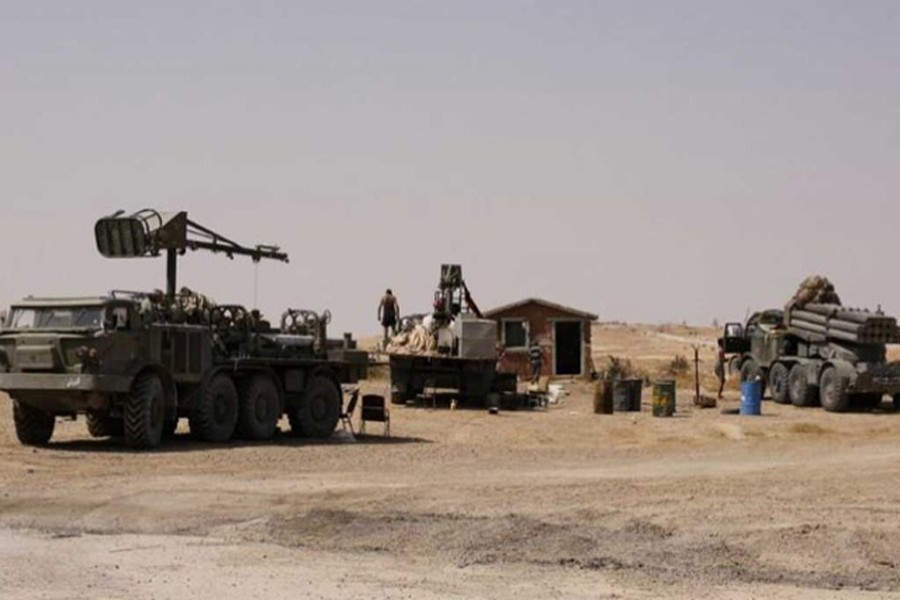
point(33, 427)
point(215, 413)
point(259, 408)
point(897, 402)
point(734, 367)
point(318, 412)
point(778, 383)
point(802, 394)
point(833, 391)
point(144, 413)
point(101, 426)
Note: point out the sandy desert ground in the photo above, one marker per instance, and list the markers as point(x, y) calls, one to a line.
point(797, 504)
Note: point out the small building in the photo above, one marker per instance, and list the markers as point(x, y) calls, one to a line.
point(564, 334)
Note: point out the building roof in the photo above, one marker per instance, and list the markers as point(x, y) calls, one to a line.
point(572, 311)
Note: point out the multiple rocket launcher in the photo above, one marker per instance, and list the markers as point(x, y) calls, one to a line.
point(841, 324)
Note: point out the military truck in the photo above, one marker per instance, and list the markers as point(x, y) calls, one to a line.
point(817, 354)
point(464, 359)
point(135, 363)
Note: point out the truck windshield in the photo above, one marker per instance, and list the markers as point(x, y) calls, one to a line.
point(69, 317)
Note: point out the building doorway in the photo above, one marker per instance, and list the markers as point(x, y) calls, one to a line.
point(567, 347)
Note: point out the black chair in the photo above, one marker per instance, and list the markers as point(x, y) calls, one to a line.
point(347, 413)
point(374, 408)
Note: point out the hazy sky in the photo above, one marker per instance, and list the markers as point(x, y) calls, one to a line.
point(647, 161)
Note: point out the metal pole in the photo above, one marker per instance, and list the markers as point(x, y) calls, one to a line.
point(256, 285)
point(171, 271)
point(697, 372)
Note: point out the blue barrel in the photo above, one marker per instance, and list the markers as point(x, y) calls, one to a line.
point(751, 398)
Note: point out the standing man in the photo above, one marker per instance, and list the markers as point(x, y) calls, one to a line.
point(388, 314)
point(536, 357)
point(720, 367)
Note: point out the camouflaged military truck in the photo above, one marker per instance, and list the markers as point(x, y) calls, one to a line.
point(133, 364)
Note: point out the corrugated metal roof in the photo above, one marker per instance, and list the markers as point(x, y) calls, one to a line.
point(542, 302)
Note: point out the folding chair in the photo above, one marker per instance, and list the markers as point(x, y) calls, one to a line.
point(374, 408)
point(347, 414)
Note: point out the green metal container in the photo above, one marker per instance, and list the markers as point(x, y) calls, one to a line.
point(664, 398)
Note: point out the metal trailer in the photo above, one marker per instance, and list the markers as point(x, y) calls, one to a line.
point(134, 364)
point(470, 380)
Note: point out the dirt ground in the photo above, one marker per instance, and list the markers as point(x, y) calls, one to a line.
point(797, 504)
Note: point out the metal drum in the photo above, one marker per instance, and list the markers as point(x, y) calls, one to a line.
point(603, 398)
point(627, 395)
point(664, 398)
point(751, 398)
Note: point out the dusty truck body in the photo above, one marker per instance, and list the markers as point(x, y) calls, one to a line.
point(470, 380)
point(821, 354)
point(464, 360)
point(134, 364)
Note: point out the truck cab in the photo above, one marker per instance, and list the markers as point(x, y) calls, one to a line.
point(755, 345)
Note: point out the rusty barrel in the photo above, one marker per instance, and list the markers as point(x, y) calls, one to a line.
point(664, 398)
point(603, 397)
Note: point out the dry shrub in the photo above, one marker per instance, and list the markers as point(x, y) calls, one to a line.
point(679, 366)
point(614, 367)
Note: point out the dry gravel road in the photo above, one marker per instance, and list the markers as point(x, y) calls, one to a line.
point(460, 504)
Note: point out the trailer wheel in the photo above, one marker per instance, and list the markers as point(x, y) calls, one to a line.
point(833, 391)
point(214, 416)
point(318, 413)
point(145, 412)
point(100, 426)
point(33, 427)
point(259, 408)
point(802, 394)
point(778, 383)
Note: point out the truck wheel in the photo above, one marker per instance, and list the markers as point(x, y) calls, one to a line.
point(33, 427)
point(318, 413)
point(101, 426)
point(802, 394)
point(259, 408)
point(833, 391)
point(215, 414)
point(145, 412)
point(778, 383)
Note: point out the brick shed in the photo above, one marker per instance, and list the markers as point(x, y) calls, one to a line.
point(563, 332)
